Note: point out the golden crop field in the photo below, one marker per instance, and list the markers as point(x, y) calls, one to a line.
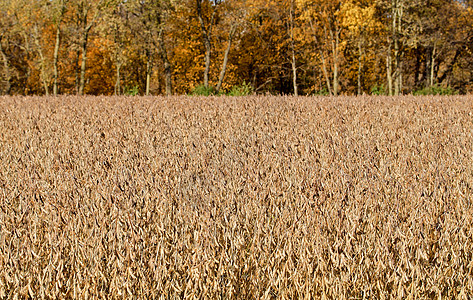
point(243, 198)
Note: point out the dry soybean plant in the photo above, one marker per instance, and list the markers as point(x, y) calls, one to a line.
point(243, 197)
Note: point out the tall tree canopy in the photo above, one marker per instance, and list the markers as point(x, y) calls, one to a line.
point(278, 46)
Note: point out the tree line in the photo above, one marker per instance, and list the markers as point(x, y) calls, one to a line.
point(301, 47)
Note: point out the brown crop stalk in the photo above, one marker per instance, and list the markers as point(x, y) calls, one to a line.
point(252, 197)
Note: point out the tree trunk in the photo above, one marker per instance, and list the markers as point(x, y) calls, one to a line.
point(399, 79)
point(397, 13)
point(43, 73)
point(148, 71)
point(360, 57)
point(225, 59)
point(42, 62)
point(56, 48)
point(432, 67)
point(322, 57)
point(207, 34)
point(207, 62)
point(396, 67)
point(83, 64)
point(86, 27)
point(56, 59)
point(293, 61)
point(324, 69)
point(389, 72)
point(335, 44)
point(294, 73)
point(76, 71)
point(167, 64)
point(117, 89)
point(168, 77)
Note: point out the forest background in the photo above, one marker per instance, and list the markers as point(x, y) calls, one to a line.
point(301, 47)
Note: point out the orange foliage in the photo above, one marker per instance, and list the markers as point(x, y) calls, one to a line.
point(344, 42)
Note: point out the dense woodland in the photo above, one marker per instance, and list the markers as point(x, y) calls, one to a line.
point(301, 47)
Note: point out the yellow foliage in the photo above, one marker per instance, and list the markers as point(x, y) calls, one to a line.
point(358, 19)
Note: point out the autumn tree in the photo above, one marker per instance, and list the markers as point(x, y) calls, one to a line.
point(276, 46)
point(37, 10)
point(268, 52)
point(88, 14)
point(359, 19)
point(206, 12)
point(291, 32)
point(58, 12)
point(448, 40)
point(114, 29)
point(31, 27)
point(234, 18)
point(6, 71)
point(398, 17)
point(205, 35)
point(6, 31)
point(324, 20)
point(149, 22)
